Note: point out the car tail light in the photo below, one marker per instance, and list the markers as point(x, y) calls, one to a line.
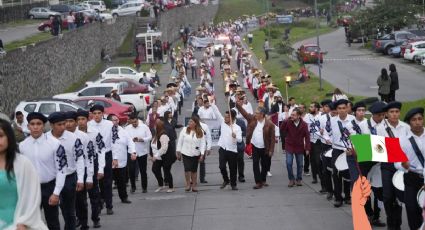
point(377, 44)
point(313, 53)
point(412, 50)
point(147, 99)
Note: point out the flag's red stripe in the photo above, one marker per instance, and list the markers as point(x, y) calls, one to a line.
point(395, 153)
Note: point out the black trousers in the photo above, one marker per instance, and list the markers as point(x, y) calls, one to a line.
point(374, 211)
point(194, 73)
point(143, 164)
point(120, 175)
point(392, 208)
point(227, 157)
point(259, 157)
point(412, 184)
point(105, 184)
point(337, 178)
point(67, 201)
point(51, 213)
point(202, 169)
point(266, 52)
point(327, 175)
point(316, 163)
point(241, 164)
point(81, 201)
point(392, 95)
point(156, 169)
point(306, 163)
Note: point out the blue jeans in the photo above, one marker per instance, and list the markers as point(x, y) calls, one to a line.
point(289, 160)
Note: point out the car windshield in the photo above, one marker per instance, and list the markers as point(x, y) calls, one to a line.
point(311, 48)
point(386, 37)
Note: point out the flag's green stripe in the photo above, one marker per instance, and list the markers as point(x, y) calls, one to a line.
point(362, 145)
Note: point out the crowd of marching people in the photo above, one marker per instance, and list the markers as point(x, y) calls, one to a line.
point(84, 155)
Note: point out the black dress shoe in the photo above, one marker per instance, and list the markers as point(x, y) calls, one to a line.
point(347, 201)
point(126, 201)
point(378, 223)
point(133, 190)
point(224, 185)
point(241, 179)
point(234, 188)
point(314, 182)
point(84, 228)
point(77, 223)
point(109, 211)
point(322, 191)
point(144, 191)
point(337, 203)
point(96, 224)
point(329, 196)
point(204, 182)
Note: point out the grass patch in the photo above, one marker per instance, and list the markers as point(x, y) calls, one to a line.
point(27, 41)
point(127, 45)
point(21, 22)
point(144, 67)
point(77, 85)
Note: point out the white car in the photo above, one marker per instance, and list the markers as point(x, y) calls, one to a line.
point(99, 6)
point(131, 8)
point(220, 42)
point(46, 106)
point(413, 50)
point(123, 71)
point(99, 90)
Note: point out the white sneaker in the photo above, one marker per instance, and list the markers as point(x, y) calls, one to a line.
point(170, 190)
point(159, 189)
point(269, 174)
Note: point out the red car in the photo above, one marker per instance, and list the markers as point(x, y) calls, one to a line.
point(173, 4)
point(131, 86)
point(308, 53)
point(122, 111)
point(345, 20)
point(47, 25)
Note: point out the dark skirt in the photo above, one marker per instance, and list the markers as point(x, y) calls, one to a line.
point(190, 164)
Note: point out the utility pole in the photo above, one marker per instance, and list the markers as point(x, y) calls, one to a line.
point(318, 45)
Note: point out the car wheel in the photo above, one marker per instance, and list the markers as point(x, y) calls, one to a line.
point(387, 50)
point(115, 15)
point(31, 16)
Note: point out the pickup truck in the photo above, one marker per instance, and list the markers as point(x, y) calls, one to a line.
point(99, 90)
point(386, 42)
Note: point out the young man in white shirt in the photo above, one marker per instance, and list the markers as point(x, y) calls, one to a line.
point(75, 171)
point(103, 129)
point(193, 66)
point(141, 135)
point(206, 112)
point(49, 159)
point(312, 120)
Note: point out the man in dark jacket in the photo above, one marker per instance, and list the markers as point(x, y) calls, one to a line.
point(297, 142)
point(241, 148)
point(394, 82)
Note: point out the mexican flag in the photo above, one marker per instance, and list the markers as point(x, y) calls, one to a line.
point(378, 149)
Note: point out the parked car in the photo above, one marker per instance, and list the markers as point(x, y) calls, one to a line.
point(61, 8)
point(173, 4)
point(131, 86)
point(99, 6)
point(99, 90)
point(123, 71)
point(395, 51)
point(42, 12)
point(406, 43)
point(308, 53)
point(385, 43)
point(413, 50)
point(220, 42)
point(132, 8)
point(122, 111)
point(116, 3)
point(46, 106)
point(47, 25)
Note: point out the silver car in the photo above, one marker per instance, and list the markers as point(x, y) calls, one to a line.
point(41, 12)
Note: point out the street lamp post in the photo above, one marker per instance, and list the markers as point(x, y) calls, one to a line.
point(287, 80)
point(318, 44)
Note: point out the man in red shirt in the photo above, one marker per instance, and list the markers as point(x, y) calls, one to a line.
point(297, 141)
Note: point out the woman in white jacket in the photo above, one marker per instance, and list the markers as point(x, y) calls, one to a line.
point(19, 186)
point(191, 148)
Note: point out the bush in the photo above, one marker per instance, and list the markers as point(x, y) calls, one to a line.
point(274, 33)
point(144, 13)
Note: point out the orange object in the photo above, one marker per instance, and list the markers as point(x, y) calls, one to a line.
point(360, 194)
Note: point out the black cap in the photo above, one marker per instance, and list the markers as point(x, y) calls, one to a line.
point(332, 106)
point(393, 105)
point(359, 104)
point(71, 115)
point(97, 107)
point(412, 113)
point(231, 85)
point(82, 113)
point(56, 117)
point(340, 102)
point(325, 102)
point(169, 85)
point(377, 107)
point(36, 115)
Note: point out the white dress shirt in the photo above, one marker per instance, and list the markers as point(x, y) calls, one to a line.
point(189, 144)
point(207, 132)
point(325, 125)
point(401, 130)
point(257, 136)
point(162, 109)
point(226, 141)
point(339, 141)
point(363, 126)
point(74, 154)
point(48, 157)
point(313, 126)
point(103, 139)
point(142, 132)
point(122, 144)
point(415, 164)
point(205, 113)
point(89, 153)
point(157, 153)
point(379, 127)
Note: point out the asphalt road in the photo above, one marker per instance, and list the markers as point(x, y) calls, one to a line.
point(9, 34)
point(356, 70)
